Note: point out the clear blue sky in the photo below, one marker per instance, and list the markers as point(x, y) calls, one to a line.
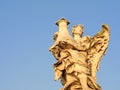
point(26, 33)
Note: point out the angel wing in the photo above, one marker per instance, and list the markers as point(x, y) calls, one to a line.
point(98, 46)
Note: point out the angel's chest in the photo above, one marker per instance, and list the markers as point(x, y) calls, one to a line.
point(83, 41)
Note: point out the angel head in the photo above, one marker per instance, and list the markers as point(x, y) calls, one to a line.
point(77, 30)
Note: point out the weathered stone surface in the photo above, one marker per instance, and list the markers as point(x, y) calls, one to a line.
point(78, 58)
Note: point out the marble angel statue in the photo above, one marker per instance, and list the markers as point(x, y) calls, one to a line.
point(78, 57)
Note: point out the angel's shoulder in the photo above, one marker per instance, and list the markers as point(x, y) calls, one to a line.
point(86, 38)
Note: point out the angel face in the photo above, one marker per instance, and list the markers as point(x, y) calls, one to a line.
point(77, 30)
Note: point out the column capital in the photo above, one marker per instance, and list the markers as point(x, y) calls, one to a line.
point(62, 20)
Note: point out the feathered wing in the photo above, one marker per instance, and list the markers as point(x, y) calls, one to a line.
point(98, 46)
